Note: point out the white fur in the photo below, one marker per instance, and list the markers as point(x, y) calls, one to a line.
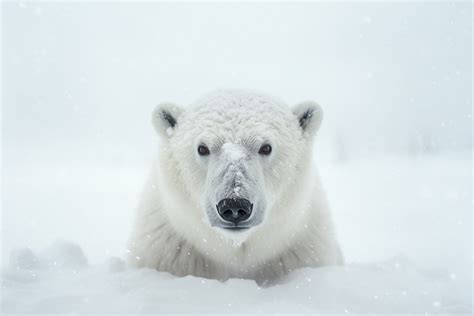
point(172, 231)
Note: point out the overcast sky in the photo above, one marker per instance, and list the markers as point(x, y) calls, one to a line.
point(87, 75)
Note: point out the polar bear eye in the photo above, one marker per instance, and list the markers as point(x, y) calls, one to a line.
point(265, 150)
point(203, 150)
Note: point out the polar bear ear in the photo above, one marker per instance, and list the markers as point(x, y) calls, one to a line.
point(165, 118)
point(310, 116)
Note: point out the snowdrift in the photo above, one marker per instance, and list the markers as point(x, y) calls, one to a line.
point(61, 280)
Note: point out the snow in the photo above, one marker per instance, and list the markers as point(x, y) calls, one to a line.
point(233, 151)
point(396, 286)
point(404, 224)
point(76, 101)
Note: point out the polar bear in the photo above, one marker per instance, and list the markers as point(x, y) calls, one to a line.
point(234, 192)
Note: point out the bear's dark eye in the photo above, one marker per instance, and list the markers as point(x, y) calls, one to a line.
point(203, 150)
point(265, 150)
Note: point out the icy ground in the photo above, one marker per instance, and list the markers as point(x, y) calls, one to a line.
point(405, 225)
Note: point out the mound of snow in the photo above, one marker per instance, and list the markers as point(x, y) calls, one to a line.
point(64, 255)
point(23, 258)
point(32, 284)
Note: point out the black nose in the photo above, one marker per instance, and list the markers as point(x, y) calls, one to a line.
point(234, 210)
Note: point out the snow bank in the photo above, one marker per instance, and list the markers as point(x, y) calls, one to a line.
point(59, 280)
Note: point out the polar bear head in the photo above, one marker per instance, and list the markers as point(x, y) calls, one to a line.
point(235, 162)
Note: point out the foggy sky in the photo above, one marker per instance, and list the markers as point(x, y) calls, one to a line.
point(86, 76)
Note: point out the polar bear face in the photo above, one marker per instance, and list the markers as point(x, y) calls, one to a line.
point(232, 156)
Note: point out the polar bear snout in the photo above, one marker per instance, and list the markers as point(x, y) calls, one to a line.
point(234, 210)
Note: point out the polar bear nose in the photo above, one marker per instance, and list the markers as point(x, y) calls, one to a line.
point(234, 210)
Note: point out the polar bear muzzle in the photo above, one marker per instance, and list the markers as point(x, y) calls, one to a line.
point(235, 211)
